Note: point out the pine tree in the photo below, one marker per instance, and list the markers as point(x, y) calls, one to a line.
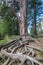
point(35, 10)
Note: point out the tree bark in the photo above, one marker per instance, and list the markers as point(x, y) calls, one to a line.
point(35, 30)
point(22, 19)
point(23, 13)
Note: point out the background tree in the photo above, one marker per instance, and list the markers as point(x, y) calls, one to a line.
point(35, 7)
point(9, 24)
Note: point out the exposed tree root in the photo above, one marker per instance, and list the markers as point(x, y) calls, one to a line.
point(11, 62)
point(22, 51)
point(37, 42)
point(9, 43)
point(20, 57)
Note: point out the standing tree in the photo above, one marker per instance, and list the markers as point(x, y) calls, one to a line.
point(35, 6)
point(22, 17)
point(9, 24)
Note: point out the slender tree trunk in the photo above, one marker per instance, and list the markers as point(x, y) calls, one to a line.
point(35, 30)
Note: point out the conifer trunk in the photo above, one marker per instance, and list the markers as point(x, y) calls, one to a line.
point(35, 30)
point(22, 19)
point(23, 22)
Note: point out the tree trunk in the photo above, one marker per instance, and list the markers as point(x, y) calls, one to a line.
point(22, 19)
point(23, 22)
point(35, 30)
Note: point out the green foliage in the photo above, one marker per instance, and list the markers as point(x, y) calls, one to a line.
point(3, 8)
point(3, 27)
point(8, 23)
point(39, 28)
point(31, 31)
point(6, 39)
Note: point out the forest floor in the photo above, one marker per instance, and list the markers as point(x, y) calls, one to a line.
point(38, 54)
